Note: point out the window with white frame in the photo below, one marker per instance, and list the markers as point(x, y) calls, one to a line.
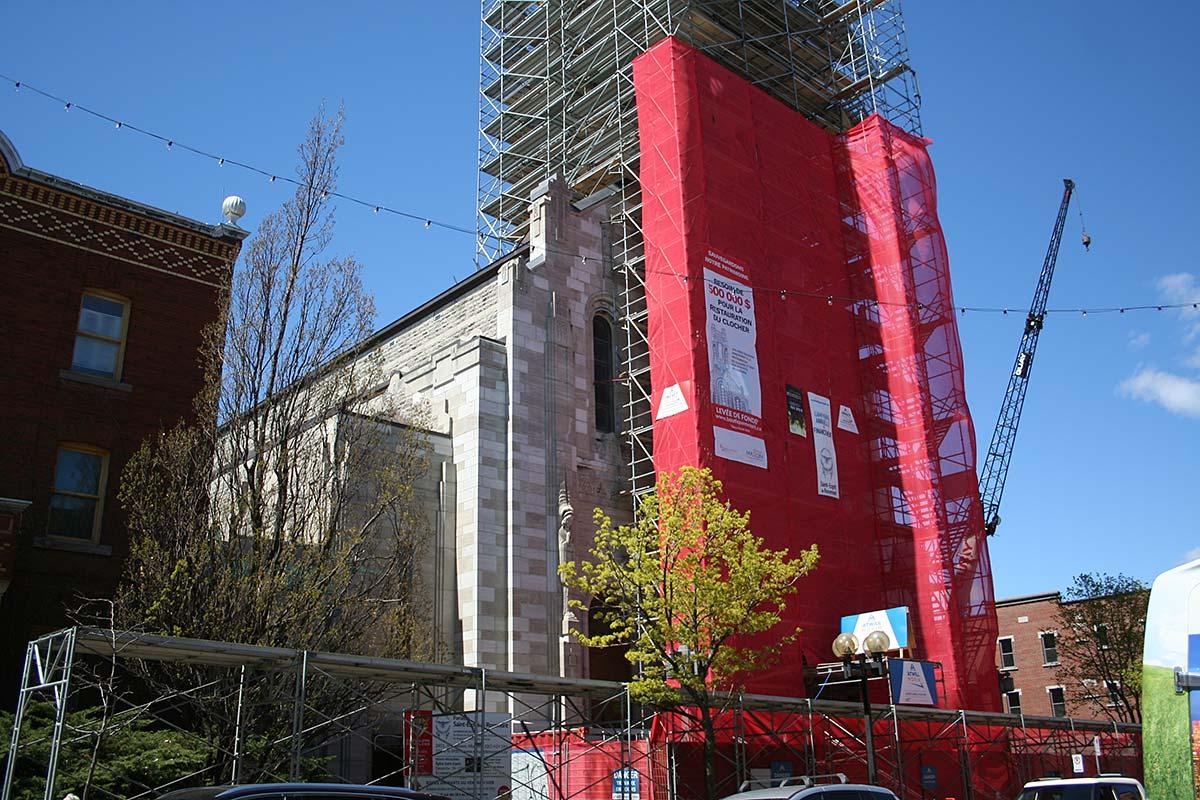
point(1049, 647)
point(77, 500)
point(1008, 655)
point(100, 335)
point(1013, 701)
point(1114, 692)
point(1102, 636)
point(1058, 701)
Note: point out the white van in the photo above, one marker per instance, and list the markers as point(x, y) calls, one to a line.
point(1101, 787)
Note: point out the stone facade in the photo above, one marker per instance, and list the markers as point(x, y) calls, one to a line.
point(504, 363)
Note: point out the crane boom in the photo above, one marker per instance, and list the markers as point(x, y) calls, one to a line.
point(995, 466)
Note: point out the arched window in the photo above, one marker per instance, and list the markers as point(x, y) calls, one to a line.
point(602, 360)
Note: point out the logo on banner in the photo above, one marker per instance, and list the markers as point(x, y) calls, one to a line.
point(913, 682)
point(822, 426)
point(735, 384)
point(892, 621)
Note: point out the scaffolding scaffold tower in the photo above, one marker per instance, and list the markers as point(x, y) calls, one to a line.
point(557, 98)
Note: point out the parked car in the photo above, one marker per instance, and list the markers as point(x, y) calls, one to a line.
point(299, 791)
point(1101, 787)
point(815, 787)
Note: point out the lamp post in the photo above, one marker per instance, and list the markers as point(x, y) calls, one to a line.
point(845, 646)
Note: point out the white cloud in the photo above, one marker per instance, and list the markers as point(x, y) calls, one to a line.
point(1191, 555)
point(1175, 393)
point(1183, 287)
point(1138, 341)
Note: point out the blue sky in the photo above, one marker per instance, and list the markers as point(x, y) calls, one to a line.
point(1016, 96)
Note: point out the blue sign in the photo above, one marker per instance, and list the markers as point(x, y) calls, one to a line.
point(913, 682)
point(626, 784)
point(780, 770)
point(929, 777)
point(892, 621)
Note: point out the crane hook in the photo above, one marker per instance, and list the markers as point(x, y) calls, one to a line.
point(1087, 242)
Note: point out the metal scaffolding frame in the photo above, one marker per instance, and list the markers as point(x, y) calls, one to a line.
point(557, 738)
point(557, 97)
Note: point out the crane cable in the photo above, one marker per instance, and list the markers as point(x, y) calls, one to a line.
point(1085, 237)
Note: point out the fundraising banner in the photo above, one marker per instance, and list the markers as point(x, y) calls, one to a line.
point(822, 428)
point(736, 387)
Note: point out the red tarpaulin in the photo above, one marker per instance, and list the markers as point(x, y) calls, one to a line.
point(831, 419)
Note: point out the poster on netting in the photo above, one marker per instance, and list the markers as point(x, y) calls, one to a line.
point(735, 385)
point(826, 455)
point(531, 774)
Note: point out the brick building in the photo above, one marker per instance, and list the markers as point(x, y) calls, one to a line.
point(104, 301)
point(1029, 666)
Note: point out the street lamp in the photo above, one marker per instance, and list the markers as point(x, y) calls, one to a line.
point(875, 645)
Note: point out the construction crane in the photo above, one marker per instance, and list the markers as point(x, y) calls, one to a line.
point(995, 466)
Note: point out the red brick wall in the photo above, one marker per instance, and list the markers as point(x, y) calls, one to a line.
point(1030, 676)
point(41, 283)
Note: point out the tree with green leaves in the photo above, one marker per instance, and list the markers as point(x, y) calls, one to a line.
point(134, 755)
point(1101, 629)
point(685, 587)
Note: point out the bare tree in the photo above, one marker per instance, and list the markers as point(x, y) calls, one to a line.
point(285, 515)
point(1102, 624)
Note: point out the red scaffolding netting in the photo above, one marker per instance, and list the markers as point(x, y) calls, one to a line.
point(803, 346)
point(954, 756)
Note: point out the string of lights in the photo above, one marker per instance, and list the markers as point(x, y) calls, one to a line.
point(830, 299)
point(173, 143)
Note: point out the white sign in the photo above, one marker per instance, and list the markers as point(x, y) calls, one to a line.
point(531, 781)
point(1077, 763)
point(735, 384)
point(469, 763)
point(826, 455)
point(740, 447)
point(846, 419)
point(671, 403)
point(1096, 745)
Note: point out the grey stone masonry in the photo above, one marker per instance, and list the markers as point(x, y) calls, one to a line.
point(505, 366)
